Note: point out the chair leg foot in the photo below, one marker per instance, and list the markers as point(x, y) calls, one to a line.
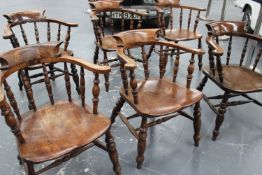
point(197, 123)
point(75, 77)
point(220, 115)
point(112, 152)
point(117, 109)
point(29, 168)
point(202, 84)
point(141, 146)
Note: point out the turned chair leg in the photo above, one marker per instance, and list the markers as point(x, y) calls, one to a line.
point(141, 145)
point(29, 168)
point(200, 57)
point(117, 109)
point(220, 115)
point(202, 84)
point(111, 146)
point(20, 83)
point(197, 123)
point(75, 77)
point(96, 53)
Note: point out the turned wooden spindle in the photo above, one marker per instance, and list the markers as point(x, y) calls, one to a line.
point(181, 19)
point(36, 33)
point(29, 91)
point(133, 84)
point(47, 84)
point(257, 59)
point(67, 82)
point(171, 19)
point(243, 54)
point(132, 22)
point(189, 19)
point(96, 92)
point(82, 85)
point(229, 49)
point(67, 38)
point(220, 69)
point(23, 34)
point(176, 66)
point(190, 70)
point(124, 77)
point(145, 62)
point(12, 100)
point(122, 22)
point(59, 32)
point(111, 23)
point(48, 32)
point(211, 61)
point(161, 62)
point(196, 21)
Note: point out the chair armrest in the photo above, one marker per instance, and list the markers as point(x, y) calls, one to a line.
point(130, 64)
point(8, 34)
point(216, 49)
point(81, 62)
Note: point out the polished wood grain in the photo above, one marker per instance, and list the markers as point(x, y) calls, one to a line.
point(59, 129)
point(159, 97)
point(227, 76)
point(186, 31)
point(25, 19)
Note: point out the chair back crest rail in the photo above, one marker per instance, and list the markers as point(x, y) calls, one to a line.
point(143, 39)
point(29, 21)
point(233, 30)
point(192, 18)
point(22, 57)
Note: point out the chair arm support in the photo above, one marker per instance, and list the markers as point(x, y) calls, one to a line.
point(216, 49)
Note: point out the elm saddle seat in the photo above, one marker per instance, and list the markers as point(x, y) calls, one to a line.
point(152, 96)
point(48, 138)
point(181, 35)
point(170, 97)
point(230, 73)
point(233, 81)
point(60, 129)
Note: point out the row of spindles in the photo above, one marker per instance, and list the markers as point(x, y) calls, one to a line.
point(30, 96)
point(15, 41)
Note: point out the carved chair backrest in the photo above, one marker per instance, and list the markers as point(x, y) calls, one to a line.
point(32, 27)
point(149, 37)
point(19, 58)
point(172, 6)
point(236, 32)
point(106, 15)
